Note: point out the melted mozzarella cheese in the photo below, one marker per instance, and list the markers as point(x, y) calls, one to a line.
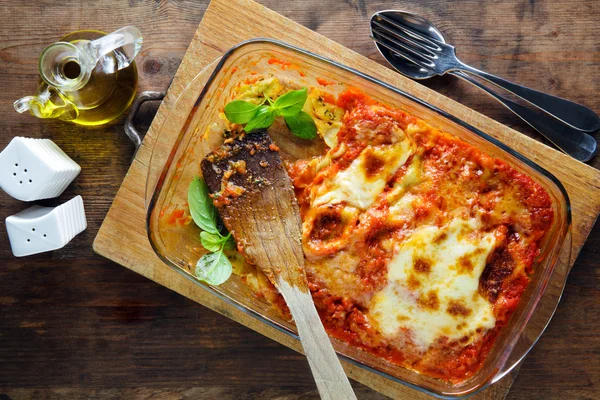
point(401, 202)
point(355, 186)
point(403, 209)
point(433, 285)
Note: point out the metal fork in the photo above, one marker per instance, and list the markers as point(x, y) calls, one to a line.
point(574, 142)
point(441, 58)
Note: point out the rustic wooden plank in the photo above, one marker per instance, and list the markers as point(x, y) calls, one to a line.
point(211, 41)
point(187, 393)
point(549, 45)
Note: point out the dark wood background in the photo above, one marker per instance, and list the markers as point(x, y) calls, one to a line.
point(75, 326)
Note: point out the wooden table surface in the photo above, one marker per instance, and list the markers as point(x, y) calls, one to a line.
point(75, 326)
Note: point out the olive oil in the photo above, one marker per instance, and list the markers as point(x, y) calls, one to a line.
point(88, 77)
point(118, 89)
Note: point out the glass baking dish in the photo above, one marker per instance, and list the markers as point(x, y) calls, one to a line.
point(189, 132)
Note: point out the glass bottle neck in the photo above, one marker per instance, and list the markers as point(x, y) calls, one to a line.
point(65, 67)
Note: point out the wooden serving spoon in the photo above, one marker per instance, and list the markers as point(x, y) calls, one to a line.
point(256, 201)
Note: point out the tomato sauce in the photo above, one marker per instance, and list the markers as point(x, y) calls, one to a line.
point(453, 178)
point(458, 176)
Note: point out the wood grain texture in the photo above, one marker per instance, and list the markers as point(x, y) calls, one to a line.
point(266, 219)
point(76, 326)
point(209, 43)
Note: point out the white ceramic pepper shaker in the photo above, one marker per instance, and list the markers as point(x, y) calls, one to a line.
point(34, 169)
point(40, 229)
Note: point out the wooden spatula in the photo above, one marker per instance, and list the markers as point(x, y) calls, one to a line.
point(256, 201)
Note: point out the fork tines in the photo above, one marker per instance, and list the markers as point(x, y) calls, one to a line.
point(405, 41)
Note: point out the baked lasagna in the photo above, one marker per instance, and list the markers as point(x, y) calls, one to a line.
point(418, 245)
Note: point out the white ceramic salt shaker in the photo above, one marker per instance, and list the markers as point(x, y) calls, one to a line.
point(34, 169)
point(39, 229)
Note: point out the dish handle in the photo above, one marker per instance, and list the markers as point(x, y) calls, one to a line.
point(130, 129)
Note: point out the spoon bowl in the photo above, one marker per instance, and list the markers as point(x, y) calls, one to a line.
point(417, 23)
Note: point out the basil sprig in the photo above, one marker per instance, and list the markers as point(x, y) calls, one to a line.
point(213, 268)
point(262, 116)
point(240, 111)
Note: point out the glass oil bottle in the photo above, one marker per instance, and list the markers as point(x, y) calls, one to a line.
point(88, 78)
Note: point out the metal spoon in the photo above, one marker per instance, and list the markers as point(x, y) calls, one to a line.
point(403, 38)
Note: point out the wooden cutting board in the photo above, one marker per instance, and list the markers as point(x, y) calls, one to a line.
point(122, 237)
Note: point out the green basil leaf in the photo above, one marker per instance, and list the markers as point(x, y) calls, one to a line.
point(214, 268)
point(211, 241)
point(302, 125)
point(201, 206)
point(291, 103)
point(264, 118)
point(240, 111)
